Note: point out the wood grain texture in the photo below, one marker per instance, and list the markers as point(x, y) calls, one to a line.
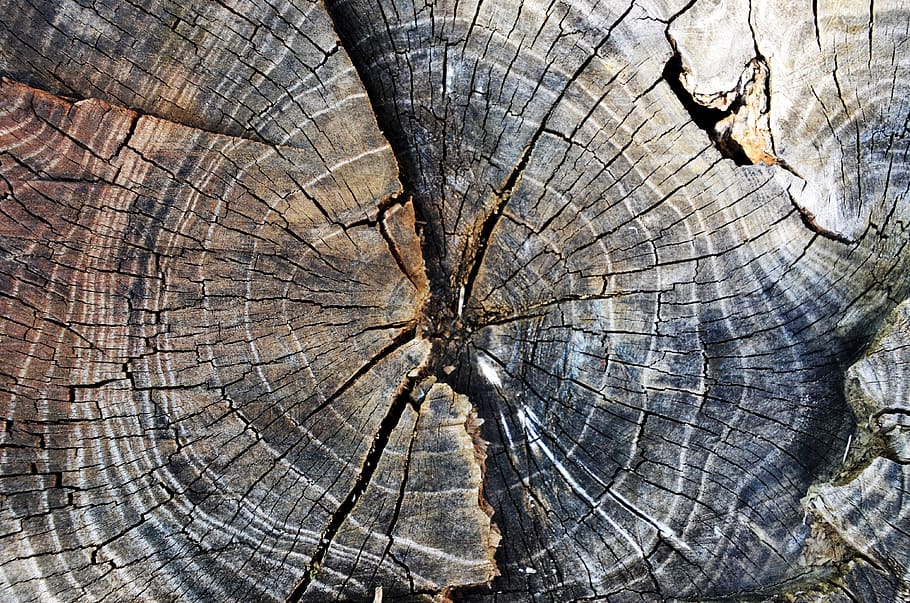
point(469, 301)
point(262, 69)
point(878, 386)
point(421, 510)
point(863, 512)
point(188, 364)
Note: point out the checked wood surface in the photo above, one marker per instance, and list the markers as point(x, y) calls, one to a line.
point(466, 301)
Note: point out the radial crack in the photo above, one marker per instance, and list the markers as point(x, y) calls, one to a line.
point(380, 441)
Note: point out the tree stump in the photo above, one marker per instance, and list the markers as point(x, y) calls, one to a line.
point(454, 301)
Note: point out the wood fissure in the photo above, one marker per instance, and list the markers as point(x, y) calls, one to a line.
point(388, 424)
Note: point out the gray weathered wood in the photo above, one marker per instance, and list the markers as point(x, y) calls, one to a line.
point(865, 509)
point(467, 300)
point(861, 516)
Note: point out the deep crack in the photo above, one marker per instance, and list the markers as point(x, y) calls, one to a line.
point(380, 441)
point(709, 119)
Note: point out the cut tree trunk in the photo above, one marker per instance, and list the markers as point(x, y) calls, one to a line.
point(454, 301)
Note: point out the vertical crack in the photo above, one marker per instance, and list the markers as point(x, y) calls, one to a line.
point(818, 38)
point(393, 245)
point(402, 489)
point(391, 122)
point(472, 262)
point(503, 195)
point(380, 441)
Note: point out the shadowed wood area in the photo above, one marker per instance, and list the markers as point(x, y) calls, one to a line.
point(464, 301)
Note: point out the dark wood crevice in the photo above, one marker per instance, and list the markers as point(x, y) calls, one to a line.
point(705, 117)
point(389, 422)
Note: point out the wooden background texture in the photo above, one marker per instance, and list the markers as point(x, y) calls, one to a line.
point(464, 300)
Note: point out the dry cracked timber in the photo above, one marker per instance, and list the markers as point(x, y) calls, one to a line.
point(472, 301)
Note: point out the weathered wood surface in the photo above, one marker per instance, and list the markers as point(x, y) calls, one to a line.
point(573, 322)
point(864, 508)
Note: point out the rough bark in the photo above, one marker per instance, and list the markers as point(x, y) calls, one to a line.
point(478, 301)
